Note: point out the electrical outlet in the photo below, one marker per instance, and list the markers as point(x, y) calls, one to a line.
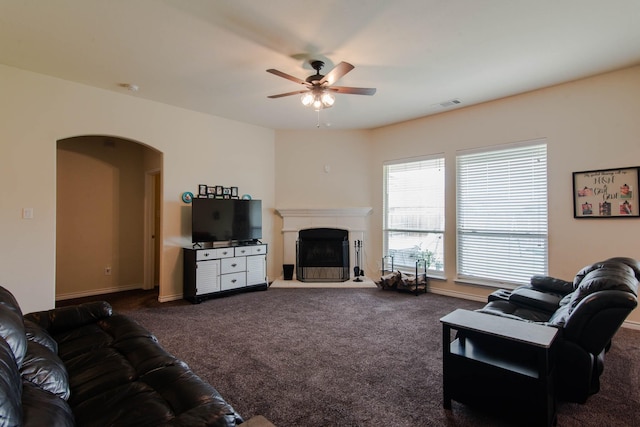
point(107, 271)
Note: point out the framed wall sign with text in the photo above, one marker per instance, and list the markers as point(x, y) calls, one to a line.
point(606, 193)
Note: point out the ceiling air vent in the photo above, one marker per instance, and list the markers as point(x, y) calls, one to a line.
point(450, 103)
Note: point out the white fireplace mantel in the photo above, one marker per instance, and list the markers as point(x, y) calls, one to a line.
point(295, 219)
point(359, 212)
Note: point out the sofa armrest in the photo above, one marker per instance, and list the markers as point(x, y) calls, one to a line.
point(535, 299)
point(65, 318)
point(551, 284)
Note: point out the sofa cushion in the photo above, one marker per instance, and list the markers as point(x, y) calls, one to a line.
point(39, 405)
point(37, 334)
point(145, 355)
point(181, 389)
point(62, 319)
point(634, 264)
point(513, 311)
point(9, 300)
point(97, 371)
point(130, 404)
point(560, 316)
point(12, 330)
point(10, 387)
point(604, 276)
point(44, 368)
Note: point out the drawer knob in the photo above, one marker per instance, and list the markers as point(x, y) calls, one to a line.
point(234, 265)
point(206, 254)
point(225, 252)
point(234, 281)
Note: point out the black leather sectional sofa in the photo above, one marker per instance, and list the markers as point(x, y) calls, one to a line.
point(588, 311)
point(86, 366)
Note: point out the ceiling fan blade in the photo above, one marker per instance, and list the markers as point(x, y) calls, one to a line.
point(287, 76)
point(297, 92)
point(353, 90)
point(338, 71)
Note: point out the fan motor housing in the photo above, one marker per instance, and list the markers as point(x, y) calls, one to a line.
point(314, 78)
point(316, 65)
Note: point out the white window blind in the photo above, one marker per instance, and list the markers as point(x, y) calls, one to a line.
point(414, 212)
point(502, 213)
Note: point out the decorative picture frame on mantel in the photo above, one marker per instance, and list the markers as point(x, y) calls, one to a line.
point(606, 193)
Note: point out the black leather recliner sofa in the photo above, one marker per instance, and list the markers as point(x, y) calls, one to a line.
point(588, 312)
point(86, 365)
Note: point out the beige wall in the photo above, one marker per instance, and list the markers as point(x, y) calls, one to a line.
point(38, 110)
point(321, 169)
point(100, 215)
point(588, 124)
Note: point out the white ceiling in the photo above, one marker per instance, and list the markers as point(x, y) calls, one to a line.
point(211, 55)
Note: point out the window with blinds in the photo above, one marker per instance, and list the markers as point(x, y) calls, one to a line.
point(413, 225)
point(502, 213)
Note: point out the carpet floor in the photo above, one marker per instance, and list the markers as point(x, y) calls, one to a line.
point(347, 357)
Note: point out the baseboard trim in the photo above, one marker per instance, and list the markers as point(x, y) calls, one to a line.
point(281, 283)
point(93, 292)
point(631, 325)
point(457, 294)
point(168, 298)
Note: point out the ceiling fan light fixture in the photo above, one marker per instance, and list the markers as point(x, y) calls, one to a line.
point(319, 94)
point(328, 99)
point(307, 99)
point(318, 99)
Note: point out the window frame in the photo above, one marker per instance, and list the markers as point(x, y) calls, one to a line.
point(437, 269)
point(531, 234)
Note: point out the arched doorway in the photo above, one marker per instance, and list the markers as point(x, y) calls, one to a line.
point(106, 238)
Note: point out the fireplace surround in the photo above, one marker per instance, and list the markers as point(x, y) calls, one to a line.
point(354, 220)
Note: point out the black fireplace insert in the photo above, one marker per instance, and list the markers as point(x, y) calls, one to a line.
point(322, 255)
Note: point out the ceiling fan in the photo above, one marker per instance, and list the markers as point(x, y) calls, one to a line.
point(319, 90)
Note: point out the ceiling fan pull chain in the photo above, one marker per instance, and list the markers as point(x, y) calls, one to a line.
point(318, 122)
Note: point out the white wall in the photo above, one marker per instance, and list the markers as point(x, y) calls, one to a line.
point(38, 110)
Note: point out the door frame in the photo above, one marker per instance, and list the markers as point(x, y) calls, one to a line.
point(151, 238)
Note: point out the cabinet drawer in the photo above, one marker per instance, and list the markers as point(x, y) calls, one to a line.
point(243, 250)
point(232, 281)
point(251, 250)
point(258, 250)
point(205, 254)
point(233, 265)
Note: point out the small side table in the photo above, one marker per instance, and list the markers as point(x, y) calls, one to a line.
point(501, 364)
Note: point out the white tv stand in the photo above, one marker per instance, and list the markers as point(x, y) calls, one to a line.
point(222, 270)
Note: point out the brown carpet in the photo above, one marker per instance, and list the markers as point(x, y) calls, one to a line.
point(347, 357)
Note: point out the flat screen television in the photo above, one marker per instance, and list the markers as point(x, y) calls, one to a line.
point(216, 220)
